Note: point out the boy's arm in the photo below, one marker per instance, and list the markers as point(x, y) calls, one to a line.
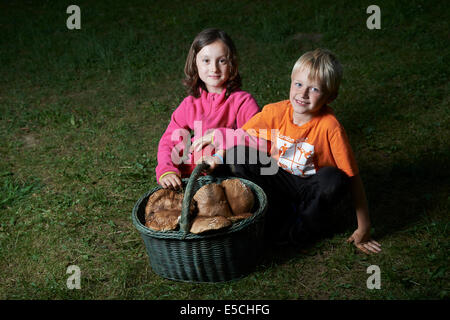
point(361, 237)
point(345, 160)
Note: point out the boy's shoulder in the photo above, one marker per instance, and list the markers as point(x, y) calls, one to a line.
point(276, 111)
point(328, 119)
point(279, 107)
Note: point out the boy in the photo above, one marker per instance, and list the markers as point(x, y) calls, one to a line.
point(311, 147)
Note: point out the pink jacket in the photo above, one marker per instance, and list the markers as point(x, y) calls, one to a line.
point(209, 111)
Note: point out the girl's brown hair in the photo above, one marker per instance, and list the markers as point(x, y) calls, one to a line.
point(192, 81)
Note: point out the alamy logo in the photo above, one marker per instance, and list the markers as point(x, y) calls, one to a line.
point(374, 281)
point(74, 281)
point(374, 21)
point(74, 20)
point(258, 146)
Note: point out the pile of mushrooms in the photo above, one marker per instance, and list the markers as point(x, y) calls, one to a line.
point(215, 206)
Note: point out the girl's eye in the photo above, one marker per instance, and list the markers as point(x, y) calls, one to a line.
point(315, 90)
point(223, 61)
point(205, 60)
point(298, 84)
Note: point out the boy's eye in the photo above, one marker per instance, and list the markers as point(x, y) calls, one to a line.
point(298, 84)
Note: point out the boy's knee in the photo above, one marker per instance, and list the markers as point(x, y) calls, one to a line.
point(333, 181)
point(243, 159)
point(244, 171)
point(237, 170)
point(242, 155)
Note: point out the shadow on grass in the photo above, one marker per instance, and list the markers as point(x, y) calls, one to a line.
point(409, 192)
point(399, 197)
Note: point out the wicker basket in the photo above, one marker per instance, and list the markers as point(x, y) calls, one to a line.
point(224, 255)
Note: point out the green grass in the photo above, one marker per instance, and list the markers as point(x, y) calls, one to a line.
point(82, 111)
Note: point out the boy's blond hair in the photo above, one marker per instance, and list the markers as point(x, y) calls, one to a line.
point(323, 66)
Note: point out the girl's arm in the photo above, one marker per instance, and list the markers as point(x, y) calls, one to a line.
point(171, 138)
point(246, 110)
point(255, 134)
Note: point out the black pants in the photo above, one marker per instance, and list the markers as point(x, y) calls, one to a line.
point(295, 203)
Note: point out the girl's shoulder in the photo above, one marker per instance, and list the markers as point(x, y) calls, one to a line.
point(241, 98)
point(235, 97)
point(189, 102)
point(190, 99)
point(240, 94)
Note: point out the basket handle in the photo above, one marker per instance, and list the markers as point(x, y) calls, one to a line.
point(188, 195)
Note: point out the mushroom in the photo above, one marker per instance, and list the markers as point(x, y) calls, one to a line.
point(240, 197)
point(204, 224)
point(240, 217)
point(211, 201)
point(163, 199)
point(163, 210)
point(163, 220)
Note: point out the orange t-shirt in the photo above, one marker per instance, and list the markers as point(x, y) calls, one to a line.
point(302, 150)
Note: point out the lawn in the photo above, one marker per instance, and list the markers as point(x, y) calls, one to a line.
point(82, 112)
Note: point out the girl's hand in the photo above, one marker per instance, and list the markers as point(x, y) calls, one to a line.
point(201, 142)
point(363, 241)
point(170, 181)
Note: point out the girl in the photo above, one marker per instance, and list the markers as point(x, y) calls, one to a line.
point(215, 101)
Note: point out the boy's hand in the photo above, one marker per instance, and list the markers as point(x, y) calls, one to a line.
point(170, 181)
point(363, 241)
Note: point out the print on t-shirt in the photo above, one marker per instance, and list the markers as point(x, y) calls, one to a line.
point(295, 156)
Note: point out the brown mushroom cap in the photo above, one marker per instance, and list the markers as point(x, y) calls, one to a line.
point(240, 217)
point(163, 209)
point(211, 201)
point(163, 220)
point(163, 199)
point(239, 196)
point(203, 224)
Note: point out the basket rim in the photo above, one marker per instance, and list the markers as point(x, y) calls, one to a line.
point(181, 235)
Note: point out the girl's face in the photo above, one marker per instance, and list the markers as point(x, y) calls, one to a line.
point(213, 66)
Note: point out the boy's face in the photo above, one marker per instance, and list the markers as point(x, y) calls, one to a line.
point(307, 96)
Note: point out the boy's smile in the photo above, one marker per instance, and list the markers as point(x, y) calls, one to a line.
point(307, 96)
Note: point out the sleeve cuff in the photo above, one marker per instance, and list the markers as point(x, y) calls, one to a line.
point(166, 173)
